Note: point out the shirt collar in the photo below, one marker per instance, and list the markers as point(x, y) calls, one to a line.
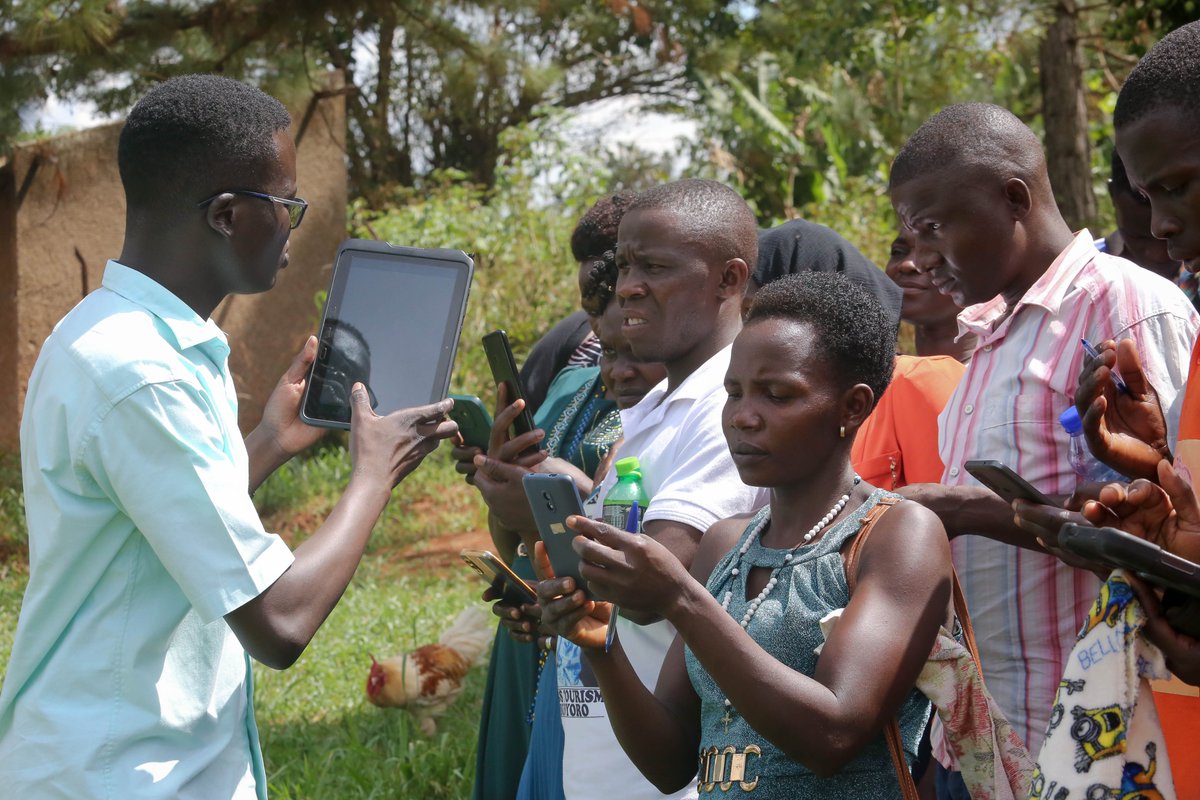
point(694, 387)
point(1048, 291)
point(182, 322)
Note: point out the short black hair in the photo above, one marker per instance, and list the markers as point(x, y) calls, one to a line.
point(853, 330)
point(712, 212)
point(979, 136)
point(1169, 75)
point(195, 135)
point(596, 231)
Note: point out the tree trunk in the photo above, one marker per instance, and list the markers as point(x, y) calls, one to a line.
point(1064, 111)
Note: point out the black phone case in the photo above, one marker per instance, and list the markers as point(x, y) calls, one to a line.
point(553, 498)
point(474, 421)
point(1003, 481)
point(504, 370)
point(1116, 548)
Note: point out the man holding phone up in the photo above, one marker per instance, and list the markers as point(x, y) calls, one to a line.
point(683, 252)
point(971, 185)
point(152, 580)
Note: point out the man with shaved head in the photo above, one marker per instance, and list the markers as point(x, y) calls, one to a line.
point(972, 188)
point(684, 251)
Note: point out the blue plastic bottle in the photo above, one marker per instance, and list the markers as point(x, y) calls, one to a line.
point(1085, 465)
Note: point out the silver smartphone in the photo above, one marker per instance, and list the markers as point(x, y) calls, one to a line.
point(552, 499)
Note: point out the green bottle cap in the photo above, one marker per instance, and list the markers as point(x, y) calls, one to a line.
point(629, 466)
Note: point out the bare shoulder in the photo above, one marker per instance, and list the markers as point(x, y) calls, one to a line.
point(716, 542)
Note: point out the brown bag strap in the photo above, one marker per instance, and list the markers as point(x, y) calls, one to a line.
point(856, 545)
point(960, 600)
point(896, 748)
point(892, 730)
point(964, 619)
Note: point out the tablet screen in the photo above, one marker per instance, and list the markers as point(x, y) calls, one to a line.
point(391, 321)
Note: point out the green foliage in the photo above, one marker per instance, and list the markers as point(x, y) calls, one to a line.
point(1137, 21)
point(435, 85)
point(14, 550)
point(14, 538)
point(518, 232)
point(822, 94)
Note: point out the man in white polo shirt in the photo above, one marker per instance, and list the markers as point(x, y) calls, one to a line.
point(683, 251)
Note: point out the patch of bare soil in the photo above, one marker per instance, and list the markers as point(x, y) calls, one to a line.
point(440, 553)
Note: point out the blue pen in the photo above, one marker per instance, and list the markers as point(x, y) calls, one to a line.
point(631, 526)
point(1094, 353)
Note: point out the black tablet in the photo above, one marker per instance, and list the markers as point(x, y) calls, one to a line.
point(391, 321)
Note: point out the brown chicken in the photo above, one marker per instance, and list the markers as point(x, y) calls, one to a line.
point(426, 680)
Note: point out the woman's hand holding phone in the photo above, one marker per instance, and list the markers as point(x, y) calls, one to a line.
point(634, 572)
point(522, 449)
point(566, 610)
point(498, 474)
point(521, 621)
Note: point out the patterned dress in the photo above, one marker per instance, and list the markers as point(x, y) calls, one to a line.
point(577, 420)
point(787, 626)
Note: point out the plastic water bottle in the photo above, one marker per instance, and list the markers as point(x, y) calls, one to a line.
point(624, 492)
point(1085, 465)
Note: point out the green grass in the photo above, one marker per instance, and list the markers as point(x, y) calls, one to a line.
point(320, 736)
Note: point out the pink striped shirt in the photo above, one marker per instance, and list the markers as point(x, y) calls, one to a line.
point(1027, 607)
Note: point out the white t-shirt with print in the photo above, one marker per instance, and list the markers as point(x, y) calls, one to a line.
point(691, 479)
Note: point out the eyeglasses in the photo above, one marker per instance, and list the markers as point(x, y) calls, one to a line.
point(295, 207)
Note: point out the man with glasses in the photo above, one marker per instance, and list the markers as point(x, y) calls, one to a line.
point(295, 206)
point(152, 580)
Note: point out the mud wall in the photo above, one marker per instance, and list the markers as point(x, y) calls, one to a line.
point(62, 216)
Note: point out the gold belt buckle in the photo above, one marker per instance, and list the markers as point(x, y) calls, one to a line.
point(726, 767)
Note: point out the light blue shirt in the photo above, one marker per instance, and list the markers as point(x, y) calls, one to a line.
point(125, 681)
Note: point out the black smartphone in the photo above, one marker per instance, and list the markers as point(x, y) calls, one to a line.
point(1116, 548)
point(1003, 481)
point(553, 498)
point(500, 576)
point(504, 370)
point(474, 421)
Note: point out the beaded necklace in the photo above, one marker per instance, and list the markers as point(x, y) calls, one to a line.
point(754, 534)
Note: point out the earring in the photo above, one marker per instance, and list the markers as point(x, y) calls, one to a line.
point(842, 432)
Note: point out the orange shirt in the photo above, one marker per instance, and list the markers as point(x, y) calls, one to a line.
point(1179, 704)
point(898, 444)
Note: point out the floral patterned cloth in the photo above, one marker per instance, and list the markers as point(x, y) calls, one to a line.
point(990, 755)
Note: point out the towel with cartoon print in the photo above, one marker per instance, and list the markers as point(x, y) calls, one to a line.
point(1104, 740)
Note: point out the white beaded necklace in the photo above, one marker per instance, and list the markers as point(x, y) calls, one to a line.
point(787, 559)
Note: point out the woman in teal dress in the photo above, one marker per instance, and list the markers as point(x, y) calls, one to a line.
point(575, 406)
point(744, 693)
